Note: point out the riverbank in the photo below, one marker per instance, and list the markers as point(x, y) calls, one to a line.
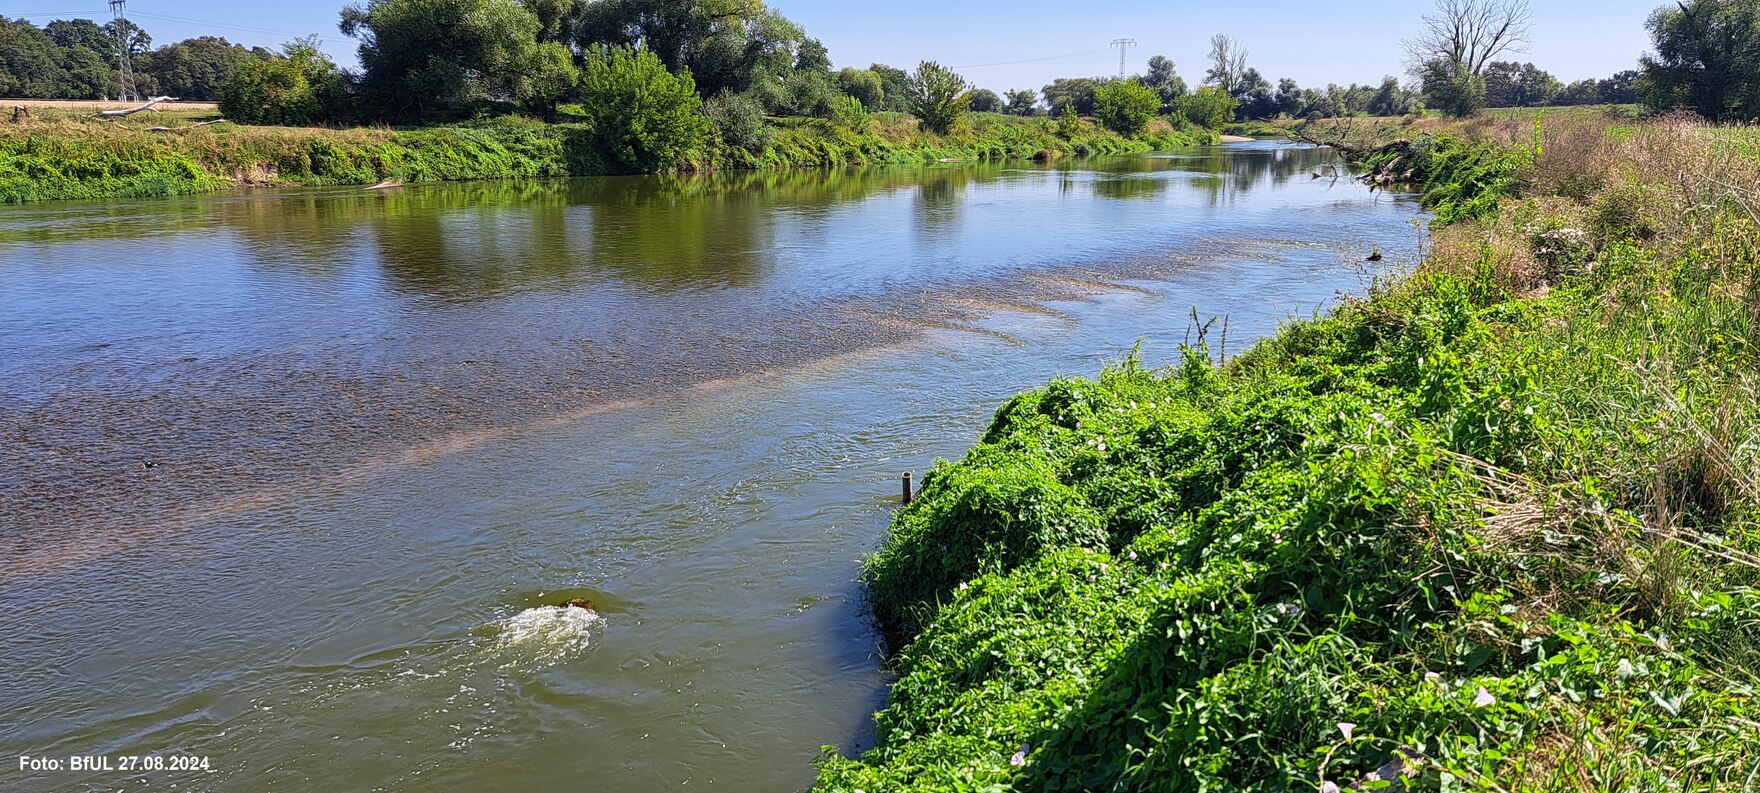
point(67, 157)
point(1491, 527)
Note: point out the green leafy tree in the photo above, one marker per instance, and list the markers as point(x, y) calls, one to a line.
point(547, 77)
point(1125, 106)
point(1209, 107)
point(938, 97)
point(299, 87)
point(1076, 92)
point(738, 121)
point(724, 44)
point(1164, 81)
point(1069, 124)
point(1511, 84)
point(424, 56)
point(1022, 102)
point(1452, 87)
point(985, 100)
point(895, 84)
point(1707, 59)
point(864, 85)
point(1391, 99)
point(195, 68)
point(1254, 95)
point(643, 117)
point(851, 114)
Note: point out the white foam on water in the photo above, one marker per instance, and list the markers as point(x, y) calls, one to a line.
point(547, 634)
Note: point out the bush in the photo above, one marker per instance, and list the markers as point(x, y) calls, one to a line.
point(299, 88)
point(644, 118)
point(1125, 106)
point(1210, 108)
point(938, 97)
point(738, 121)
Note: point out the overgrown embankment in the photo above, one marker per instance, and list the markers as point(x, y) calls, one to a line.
point(1492, 527)
point(68, 159)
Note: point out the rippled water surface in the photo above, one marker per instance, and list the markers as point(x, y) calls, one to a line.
point(296, 480)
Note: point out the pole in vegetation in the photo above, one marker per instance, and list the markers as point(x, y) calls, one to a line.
point(907, 488)
point(1123, 46)
point(124, 68)
point(20, 114)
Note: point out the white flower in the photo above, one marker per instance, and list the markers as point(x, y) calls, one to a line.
point(1132, 556)
point(1484, 699)
point(1433, 677)
point(1347, 728)
point(1329, 787)
point(962, 586)
point(1289, 609)
point(1100, 443)
point(1020, 757)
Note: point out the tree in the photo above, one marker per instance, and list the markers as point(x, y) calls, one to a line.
point(1451, 88)
point(423, 56)
point(1470, 33)
point(1209, 107)
point(556, 18)
point(299, 87)
point(723, 44)
point(1289, 98)
point(984, 100)
point(643, 117)
point(1511, 84)
point(195, 68)
point(1391, 99)
point(1075, 92)
point(1228, 62)
point(1164, 81)
point(1620, 89)
point(864, 85)
point(1022, 102)
point(1255, 96)
point(895, 87)
point(937, 96)
point(546, 77)
point(1125, 106)
point(1707, 59)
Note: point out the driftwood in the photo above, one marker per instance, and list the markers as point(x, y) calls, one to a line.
point(150, 105)
point(20, 114)
point(386, 185)
point(192, 126)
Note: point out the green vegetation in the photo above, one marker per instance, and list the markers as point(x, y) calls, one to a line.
point(1707, 59)
point(66, 157)
point(1126, 107)
point(299, 88)
point(938, 97)
point(642, 117)
point(1495, 526)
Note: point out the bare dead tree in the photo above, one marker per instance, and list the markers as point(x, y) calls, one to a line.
point(1228, 61)
point(1471, 33)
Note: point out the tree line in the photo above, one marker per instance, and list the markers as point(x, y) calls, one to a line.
point(77, 59)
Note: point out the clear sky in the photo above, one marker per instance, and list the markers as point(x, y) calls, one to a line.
point(1316, 43)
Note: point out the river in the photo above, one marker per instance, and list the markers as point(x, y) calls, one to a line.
point(289, 480)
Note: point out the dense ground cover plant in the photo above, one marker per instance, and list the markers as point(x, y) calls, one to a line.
point(1491, 527)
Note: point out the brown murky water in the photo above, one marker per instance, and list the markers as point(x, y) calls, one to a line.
point(288, 477)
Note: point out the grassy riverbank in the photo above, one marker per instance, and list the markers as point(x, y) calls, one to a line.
point(62, 156)
point(1495, 526)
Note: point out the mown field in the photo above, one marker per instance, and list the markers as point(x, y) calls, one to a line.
point(1494, 526)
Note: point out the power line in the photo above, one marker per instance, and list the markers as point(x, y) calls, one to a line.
point(125, 69)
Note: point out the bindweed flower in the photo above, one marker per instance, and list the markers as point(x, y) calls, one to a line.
point(962, 586)
point(1483, 699)
point(1289, 609)
point(1329, 786)
point(1132, 556)
point(1433, 677)
point(1020, 757)
point(1347, 728)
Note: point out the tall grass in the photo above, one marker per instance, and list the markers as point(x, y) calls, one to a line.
point(1494, 526)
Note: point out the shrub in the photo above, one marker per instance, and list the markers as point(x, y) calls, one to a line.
point(644, 118)
point(849, 113)
point(1208, 107)
point(938, 97)
point(1069, 124)
point(1125, 106)
point(738, 121)
point(296, 89)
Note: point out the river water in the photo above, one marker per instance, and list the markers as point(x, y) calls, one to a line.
point(290, 480)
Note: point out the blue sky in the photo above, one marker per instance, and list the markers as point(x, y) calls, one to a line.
point(1346, 41)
